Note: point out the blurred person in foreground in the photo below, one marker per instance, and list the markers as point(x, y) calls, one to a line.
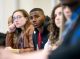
point(69, 49)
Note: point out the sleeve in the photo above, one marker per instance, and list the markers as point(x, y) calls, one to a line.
point(31, 36)
point(8, 40)
point(47, 45)
point(30, 41)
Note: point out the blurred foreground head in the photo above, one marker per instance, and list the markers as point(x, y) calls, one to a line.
point(73, 4)
point(67, 2)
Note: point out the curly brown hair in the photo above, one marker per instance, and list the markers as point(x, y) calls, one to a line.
point(54, 35)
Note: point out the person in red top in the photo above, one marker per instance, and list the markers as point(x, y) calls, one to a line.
point(40, 22)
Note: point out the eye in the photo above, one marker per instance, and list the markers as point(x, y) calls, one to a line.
point(18, 17)
point(36, 16)
point(14, 18)
point(60, 13)
point(31, 17)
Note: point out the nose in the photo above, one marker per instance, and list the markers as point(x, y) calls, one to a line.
point(16, 20)
point(34, 19)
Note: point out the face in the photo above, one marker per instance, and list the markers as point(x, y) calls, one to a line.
point(37, 18)
point(67, 12)
point(58, 16)
point(19, 20)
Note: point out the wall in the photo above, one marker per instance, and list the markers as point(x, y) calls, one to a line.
point(46, 5)
point(8, 6)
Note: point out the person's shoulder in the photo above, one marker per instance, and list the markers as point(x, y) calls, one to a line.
point(47, 18)
point(31, 26)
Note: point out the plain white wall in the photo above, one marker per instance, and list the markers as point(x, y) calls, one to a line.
point(1, 14)
point(46, 5)
point(26, 4)
point(8, 6)
point(6, 9)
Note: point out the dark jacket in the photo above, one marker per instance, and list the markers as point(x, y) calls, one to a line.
point(44, 35)
point(2, 39)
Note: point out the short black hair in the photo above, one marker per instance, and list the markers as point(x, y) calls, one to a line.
point(37, 9)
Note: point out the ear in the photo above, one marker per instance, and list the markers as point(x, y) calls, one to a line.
point(43, 17)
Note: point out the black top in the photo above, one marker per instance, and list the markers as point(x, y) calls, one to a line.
point(2, 39)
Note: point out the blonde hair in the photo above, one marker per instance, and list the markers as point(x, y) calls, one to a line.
point(9, 20)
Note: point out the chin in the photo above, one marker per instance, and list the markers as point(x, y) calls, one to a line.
point(17, 26)
point(35, 27)
point(58, 26)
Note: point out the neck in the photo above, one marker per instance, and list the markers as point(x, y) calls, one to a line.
point(40, 29)
point(22, 28)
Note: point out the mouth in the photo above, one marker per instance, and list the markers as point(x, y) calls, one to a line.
point(17, 23)
point(35, 25)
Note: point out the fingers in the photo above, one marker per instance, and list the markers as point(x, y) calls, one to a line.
point(12, 28)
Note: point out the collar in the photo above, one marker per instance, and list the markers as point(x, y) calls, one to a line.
point(45, 31)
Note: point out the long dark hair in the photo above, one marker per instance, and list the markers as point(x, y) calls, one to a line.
point(54, 34)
